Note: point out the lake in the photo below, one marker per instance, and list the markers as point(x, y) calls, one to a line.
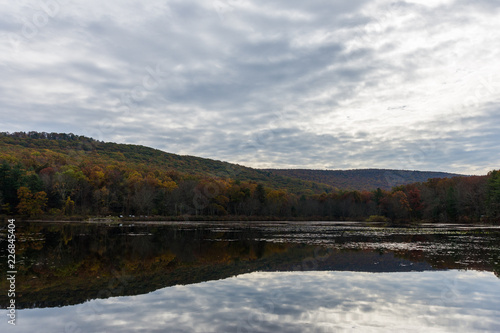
point(254, 277)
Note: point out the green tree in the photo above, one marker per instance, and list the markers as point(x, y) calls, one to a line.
point(378, 195)
point(33, 182)
point(261, 193)
point(10, 178)
point(493, 194)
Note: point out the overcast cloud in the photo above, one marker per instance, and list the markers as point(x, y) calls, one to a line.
point(283, 84)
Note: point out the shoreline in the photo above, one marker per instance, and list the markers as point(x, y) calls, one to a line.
point(312, 222)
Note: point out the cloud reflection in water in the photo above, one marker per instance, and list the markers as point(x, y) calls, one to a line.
point(439, 301)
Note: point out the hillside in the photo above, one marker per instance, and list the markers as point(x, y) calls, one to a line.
point(39, 150)
point(365, 179)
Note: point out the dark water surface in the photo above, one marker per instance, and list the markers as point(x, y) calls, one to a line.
point(254, 277)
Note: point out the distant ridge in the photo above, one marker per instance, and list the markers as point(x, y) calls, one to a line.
point(362, 179)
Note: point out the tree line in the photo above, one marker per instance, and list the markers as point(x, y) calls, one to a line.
point(66, 175)
point(101, 190)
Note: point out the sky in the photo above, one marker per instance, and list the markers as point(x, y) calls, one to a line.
point(284, 84)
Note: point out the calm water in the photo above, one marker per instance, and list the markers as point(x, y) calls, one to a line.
point(254, 277)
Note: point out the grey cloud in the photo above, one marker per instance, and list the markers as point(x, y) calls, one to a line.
point(318, 7)
point(489, 6)
point(281, 84)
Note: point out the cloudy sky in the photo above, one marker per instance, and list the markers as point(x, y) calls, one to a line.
point(287, 84)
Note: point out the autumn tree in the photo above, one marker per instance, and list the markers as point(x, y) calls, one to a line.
point(68, 181)
point(29, 203)
point(400, 205)
point(69, 206)
point(451, 203)
point(278, 202)
point(414, 201)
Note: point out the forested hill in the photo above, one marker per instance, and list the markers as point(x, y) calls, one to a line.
point(55, 175)
point(37, 151)
point(363, 179)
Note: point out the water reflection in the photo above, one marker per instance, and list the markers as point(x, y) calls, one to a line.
point(444, 301)
point(68, 264)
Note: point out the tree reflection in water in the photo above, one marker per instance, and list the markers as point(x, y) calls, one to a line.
point(64, 264)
